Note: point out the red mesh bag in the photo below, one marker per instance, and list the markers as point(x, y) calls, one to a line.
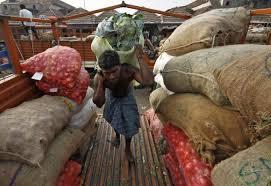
point(77, 93)
point(60, 65)
point(194, 170)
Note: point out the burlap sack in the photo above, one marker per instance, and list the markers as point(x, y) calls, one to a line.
point(256, 38)
point(13, 173)
point(27, 130)
point(90, 133)
point(247, 84)
point(214, 28)
point(216, 133)
point(193, 72)
point(249, 167)
point(156, 97)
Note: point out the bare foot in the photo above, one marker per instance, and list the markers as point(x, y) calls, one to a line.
point(115, 142)
point(129, 155)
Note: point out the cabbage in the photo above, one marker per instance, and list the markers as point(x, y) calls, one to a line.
point(122, 31)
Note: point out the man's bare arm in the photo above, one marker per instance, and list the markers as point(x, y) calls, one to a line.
point(143, 75)
point(99, 91)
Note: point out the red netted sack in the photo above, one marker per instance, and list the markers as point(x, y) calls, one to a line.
point(77, 93)
point(195, 171)
point(156, 125)
point(176, 176)
point(70, 174)
point(60, 65)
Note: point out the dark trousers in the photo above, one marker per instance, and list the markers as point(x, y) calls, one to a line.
point(126, 139)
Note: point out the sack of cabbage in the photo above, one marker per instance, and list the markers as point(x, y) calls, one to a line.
point(120, 32)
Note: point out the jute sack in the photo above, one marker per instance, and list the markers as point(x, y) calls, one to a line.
point(214, 28)
point(247, 84)
point(249, 167)
point(27, 130)
point(156, 97)
point(259, 38)
point(90, 131)
point(193, 72)
point(215, 132)
point(19, 174)
point(99, 45)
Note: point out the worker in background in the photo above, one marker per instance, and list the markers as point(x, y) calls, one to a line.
point(28, 26)
point(149, 49)
point(113, 88)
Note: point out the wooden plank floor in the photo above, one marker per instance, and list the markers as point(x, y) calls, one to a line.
point(108, 166)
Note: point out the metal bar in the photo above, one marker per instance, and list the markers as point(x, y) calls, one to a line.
point(55, 31)
point(178, 15)
point(11, 46)
point(13, 18)
point(265, 11)
point(65, 18)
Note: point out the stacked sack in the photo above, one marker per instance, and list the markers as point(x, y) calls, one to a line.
point(39, 136)
point(258, 35)
point(62, 72)
point(219, 97)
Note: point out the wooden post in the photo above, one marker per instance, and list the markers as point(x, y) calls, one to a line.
point(11, 46)
point(81, 34)
point(269, 38)
point(55, 31)
point(265, 11)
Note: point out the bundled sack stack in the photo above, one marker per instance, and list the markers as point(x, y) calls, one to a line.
point(39, 136)
point(219, 97)
point(119, 32)
point(219, 129)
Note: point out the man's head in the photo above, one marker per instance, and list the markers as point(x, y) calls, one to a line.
point(22, 6)
point(109, 62)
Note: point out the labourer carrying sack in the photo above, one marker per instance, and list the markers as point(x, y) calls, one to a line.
point(113, 88)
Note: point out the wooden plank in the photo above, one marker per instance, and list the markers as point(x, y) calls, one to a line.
point(139, 162)
point(112, 167)
point(133, 174)
point(15, 90)
point(116, 167)
point(151, 165)
point(178, 15)
point(110, 158)
point(110, 176)
point(265, 11)
point(124, 177)
point(22, 96)
point(92, 162)
point(90, 13)
point(101, 163)
point(144, 173)
point(162, 173)
point(96, 162)
point(14, 18)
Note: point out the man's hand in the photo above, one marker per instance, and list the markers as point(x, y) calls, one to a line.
point(100, 78)
point(99, 90)
point(139, 51)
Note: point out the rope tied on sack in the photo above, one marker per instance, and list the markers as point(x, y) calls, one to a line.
point(189, 73)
